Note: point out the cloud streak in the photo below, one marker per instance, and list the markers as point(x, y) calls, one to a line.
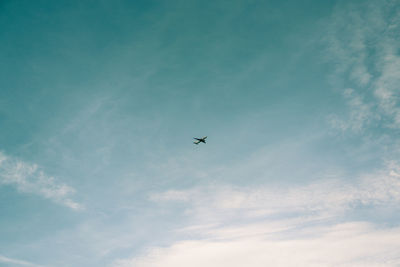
point(329, 246)
point(360, 116)
point(29, 178)
point(333, 197)
point(363, 43)
point(17, 262)
point(308, 225)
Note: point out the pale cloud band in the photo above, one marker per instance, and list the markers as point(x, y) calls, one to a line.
point(332, 196)
point(297, 226)
point(28, 178)
point(7, 260)
point(349, 244)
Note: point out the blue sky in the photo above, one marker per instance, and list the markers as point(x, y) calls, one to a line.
point(100, 100)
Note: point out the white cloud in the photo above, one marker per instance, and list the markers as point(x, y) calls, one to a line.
point(364, 46)
point(28, 178)
point(297, 226)
point(325, 197)
point(386, 87)
point(7, 260)
point(361, 114)
point(348, 244)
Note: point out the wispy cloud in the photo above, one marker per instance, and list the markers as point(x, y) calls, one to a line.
point(7, 260)
point(330, 197)
point(361, 114)
point(329, 246)
point(363, 43)
point(29, 178)
point(296, 226)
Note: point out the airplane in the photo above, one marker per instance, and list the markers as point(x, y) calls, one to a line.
point(200, 140)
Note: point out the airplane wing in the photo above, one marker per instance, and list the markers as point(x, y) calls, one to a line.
point(204, 137)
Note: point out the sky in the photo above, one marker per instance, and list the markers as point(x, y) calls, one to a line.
point(100, 101)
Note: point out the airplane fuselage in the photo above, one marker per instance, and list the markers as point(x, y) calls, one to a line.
point(200, 140)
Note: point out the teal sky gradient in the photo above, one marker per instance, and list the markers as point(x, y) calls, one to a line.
point(100, 100)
